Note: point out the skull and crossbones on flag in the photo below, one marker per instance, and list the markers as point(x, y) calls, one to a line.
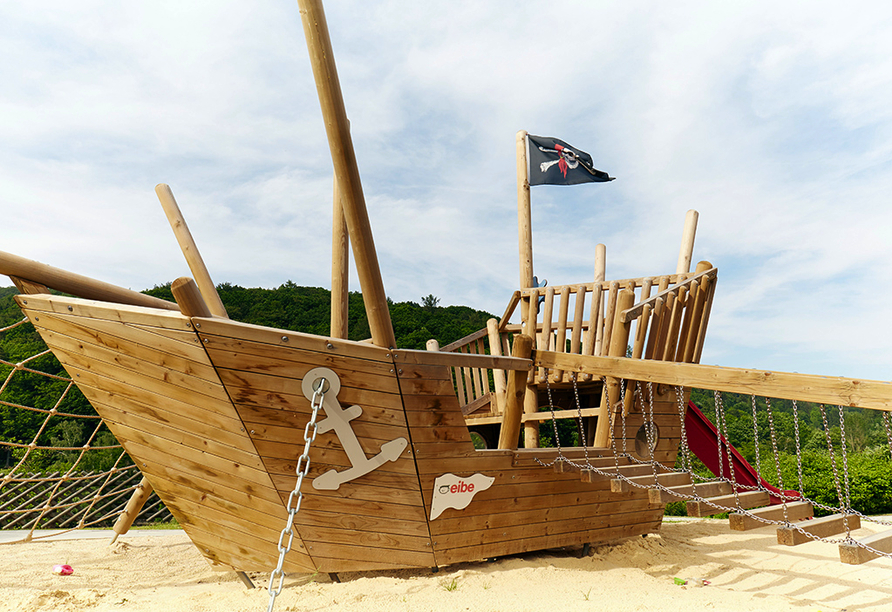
point(554, 162)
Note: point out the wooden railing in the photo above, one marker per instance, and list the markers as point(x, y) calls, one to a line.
point(669, 325)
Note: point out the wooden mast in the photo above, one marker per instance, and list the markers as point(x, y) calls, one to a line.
point(524, 221)
point(190, 250)
point(346, 171)
point(340, 267)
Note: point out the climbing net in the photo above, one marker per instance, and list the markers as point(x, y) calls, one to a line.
point(834, 496)
point(60, 467)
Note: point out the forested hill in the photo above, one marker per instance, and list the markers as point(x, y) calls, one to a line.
point(302, 309)
point(308, 309)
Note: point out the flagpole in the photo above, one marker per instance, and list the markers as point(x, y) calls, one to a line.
point(525, 246)
point(524, 221)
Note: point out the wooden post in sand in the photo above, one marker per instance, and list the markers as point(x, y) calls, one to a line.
point(340, 267)
point(190, 250)
point(134, 505)
point(347, 172)
point(687, 242)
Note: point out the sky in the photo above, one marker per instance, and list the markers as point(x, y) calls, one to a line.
point(773, 120)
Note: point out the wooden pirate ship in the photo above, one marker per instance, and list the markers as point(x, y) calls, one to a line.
point(215, 412)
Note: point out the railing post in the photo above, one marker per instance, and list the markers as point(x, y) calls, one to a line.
point(498, 376)
point(509, 434)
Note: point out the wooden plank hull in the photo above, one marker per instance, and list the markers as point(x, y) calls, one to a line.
point(214, 413)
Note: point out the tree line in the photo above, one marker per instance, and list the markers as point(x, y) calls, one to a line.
point(290, 306)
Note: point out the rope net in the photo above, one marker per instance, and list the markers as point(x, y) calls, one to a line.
point(837, 459)
point(60, 467)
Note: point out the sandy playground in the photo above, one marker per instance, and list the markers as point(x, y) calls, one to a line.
point(746, 571)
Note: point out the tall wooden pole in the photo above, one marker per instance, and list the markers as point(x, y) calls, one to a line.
point(687, 242)
point(524, 222)
point(75, 284)
point(190, 250)
point(346, 171)
point(340, 267)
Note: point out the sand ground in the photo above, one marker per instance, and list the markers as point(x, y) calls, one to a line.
point(746, 571)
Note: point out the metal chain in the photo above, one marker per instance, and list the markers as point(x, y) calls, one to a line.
point(685, 448)
point(845, 470)
point(613, 444)
point(832, 459)
point(798, 449)
point(584, 442)
point(777, 463)
point(756, 438)
point(557, 438)
point(724, 433)
point(888, 429)
point(719, 416)
point(302, 468)
point(648, 430)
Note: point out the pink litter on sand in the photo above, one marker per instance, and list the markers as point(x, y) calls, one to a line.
point(63, 570)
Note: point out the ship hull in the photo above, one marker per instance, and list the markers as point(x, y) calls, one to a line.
point(214, 413)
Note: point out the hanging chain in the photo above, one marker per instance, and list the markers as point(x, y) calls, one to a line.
point(798, 449)
point(583, 441)
point(756, 439)
point(303, 467)
point(719, 416)
point(649, 432)
point(685, 448)
point(622, 413)
point(777, 463)
point(845, 470)
point(557, 438)
point(888, 429)
point(722, 418)
point(832, 457)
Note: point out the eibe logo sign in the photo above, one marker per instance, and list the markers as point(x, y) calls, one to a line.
point(451, 491)
point(461, 487)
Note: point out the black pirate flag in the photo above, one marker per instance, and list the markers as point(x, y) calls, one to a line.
point(554, 162)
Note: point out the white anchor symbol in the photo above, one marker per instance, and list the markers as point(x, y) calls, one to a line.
point(339, 419)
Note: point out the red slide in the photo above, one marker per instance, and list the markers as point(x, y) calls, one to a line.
point(703, 442)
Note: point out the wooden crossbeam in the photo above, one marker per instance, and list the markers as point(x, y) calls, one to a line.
point(823, 527)
point(796, 511)
point(872, 394)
